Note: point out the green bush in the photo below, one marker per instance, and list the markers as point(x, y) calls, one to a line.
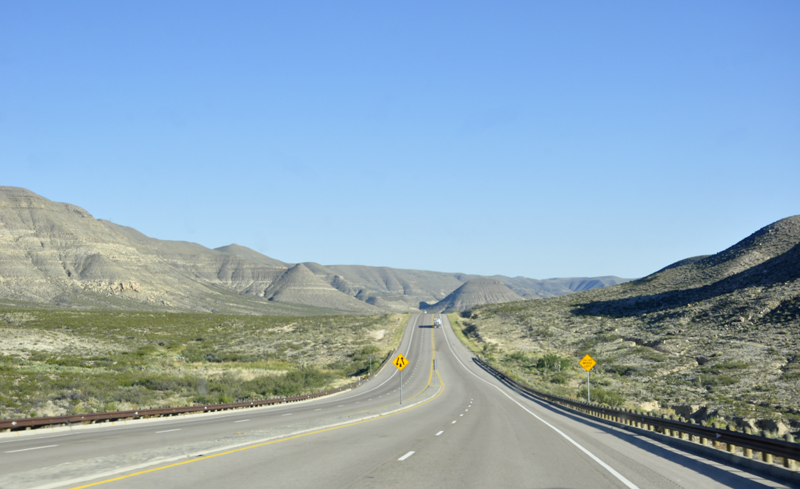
point(603, 396)
point(624, 370)
point(553, 363)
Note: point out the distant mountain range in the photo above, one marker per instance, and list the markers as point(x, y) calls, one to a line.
point(58, 255)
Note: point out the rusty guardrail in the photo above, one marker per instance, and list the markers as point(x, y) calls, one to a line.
point(730, 441)
point(91, 418)
point(7, 425)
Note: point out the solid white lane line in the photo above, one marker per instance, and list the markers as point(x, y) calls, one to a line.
point(39, 448)
point(287, 414)
point(405, 456)
point(167, 431)
point(416, 318)
point(242, 421)
point(610, 469)
point(439, 433)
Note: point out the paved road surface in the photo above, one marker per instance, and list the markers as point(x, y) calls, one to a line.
point(457, 427)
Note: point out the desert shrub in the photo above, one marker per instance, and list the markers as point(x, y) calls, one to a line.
point(624, 370)
point(717, 380)
point(603, 396)
point(553, 363)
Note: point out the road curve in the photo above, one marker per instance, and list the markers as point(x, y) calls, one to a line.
point(456, 427)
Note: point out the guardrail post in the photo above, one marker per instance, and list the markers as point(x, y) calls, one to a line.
point(766, 457)
point(787, 462)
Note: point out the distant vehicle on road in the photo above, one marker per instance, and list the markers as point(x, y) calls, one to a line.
point(437, 322)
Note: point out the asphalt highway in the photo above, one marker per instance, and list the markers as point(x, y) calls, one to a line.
point(457, 427)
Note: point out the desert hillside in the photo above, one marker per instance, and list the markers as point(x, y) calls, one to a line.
point(708, 337)
point(57, 255)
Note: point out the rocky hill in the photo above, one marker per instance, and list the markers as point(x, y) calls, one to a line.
point(476, 292)
point(59, 255)
point(299, 285)
point(708, 337)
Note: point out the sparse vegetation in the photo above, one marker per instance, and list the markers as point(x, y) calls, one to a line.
point(712, 336)
point(55, 361)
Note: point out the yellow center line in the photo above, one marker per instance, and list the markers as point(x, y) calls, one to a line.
point(430, 376)
point(155, 469)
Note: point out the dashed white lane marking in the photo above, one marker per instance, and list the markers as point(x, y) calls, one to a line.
point(454, 422)
point(242, 421)
point(405, 456)
point(39, 448)
point(594, 457)
point(287, 414)
point(167, 431)
point(439, 433)
point(340, 405)
point(461, 415)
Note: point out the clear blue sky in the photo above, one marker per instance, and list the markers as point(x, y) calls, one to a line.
point(543, 139)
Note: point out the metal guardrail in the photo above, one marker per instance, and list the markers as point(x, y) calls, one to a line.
point(7, 425)
point(90, 418)
point(730, 441)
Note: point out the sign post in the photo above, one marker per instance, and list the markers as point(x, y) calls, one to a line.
point(400, 362)
point(588, 363)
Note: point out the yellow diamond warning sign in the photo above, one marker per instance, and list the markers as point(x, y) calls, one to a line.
point(400, 362)
point(587, 363)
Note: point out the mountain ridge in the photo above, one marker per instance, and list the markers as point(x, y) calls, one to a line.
point(714, 335)
point(59, 254)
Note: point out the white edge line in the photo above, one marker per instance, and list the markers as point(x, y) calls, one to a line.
point(132, 468)
point(28, 449)
point(610, 469)
point(222, 414)
point(167, 431)
point(416, 318)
